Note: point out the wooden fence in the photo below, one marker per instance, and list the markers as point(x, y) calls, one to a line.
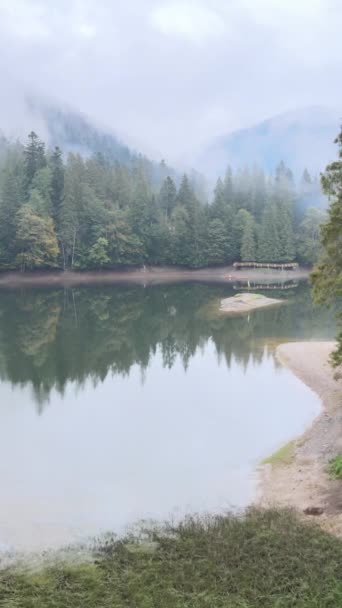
point(280, 266)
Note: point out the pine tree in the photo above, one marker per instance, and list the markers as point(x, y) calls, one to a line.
point(309, 236)
point(34, 159)
point(216, 243)
point(283, 196)
point(168, 196)
point(228, 188)
point(188, 203)
point(11, 198)
point(248, 245)
point(219, 205)
point(268, 244)
point(57, 184)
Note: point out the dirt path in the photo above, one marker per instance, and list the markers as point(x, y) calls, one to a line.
point(302, 481)
point(148, 275)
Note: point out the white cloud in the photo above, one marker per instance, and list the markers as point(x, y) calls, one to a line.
point(190, 20)
point(27, 21)
point(86, 30)
point(274, 12)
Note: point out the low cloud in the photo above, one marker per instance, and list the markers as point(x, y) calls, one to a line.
point(190, 20)
point(172, 75)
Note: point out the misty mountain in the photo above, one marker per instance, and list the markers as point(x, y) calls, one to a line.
point(302, 138)
point(73, 132)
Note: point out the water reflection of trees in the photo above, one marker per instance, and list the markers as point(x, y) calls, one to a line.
point(50, 337)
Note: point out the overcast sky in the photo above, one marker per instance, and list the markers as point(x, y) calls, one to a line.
point(172, 74)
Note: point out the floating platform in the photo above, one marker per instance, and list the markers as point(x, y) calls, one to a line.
point(245, 302)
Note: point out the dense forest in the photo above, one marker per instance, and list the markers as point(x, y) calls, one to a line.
point(94, 213)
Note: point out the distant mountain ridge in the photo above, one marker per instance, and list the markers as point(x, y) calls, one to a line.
point(73, 132)
point(301, 138)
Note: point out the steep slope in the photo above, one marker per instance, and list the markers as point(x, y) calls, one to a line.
point(73, 132)
point(302, 138)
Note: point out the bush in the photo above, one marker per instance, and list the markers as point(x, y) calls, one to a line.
point(335, 467)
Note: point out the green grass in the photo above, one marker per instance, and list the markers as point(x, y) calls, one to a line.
point(265, 559)
point(284, 455)
point(335, 467)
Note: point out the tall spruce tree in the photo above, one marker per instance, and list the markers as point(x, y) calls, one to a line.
point(168, 196)
point(268, 243)
point(248, 244)
point(11, 198)
point(34, 159)
point(57, 184)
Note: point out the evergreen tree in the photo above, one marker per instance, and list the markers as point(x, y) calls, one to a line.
point(327, 277)
point(309, 236)
point(216, 243)
point(239, 223)
point(41, 184)
point(57, 184)
point(11, 198)
point(283, 196)
point(268, 244)
point(228, 186)
point(168, 196)
point(106, 214)
point(219, 205)
point(34, 159)
point(248, 245)
point(190, 222)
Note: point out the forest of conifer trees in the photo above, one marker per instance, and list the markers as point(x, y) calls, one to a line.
point(89, 213)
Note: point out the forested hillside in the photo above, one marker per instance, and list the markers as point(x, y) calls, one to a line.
point(80, 213)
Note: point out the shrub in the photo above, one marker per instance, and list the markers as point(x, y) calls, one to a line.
point(335, 467)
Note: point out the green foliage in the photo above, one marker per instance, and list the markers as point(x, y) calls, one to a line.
point(98, 254)
point(34, 160)
point(56, 184)
point(264, 559)
point(268, 243)
point(146, 221)
point(217, 248)
point(248, 245)
point(168, 196)
point(283, 456)
point(327, 276)
point(36, 240)
point(309, 245)
point(335, 467)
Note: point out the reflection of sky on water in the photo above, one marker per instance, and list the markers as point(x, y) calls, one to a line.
point(101, 458)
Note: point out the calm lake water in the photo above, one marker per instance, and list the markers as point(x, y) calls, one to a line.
point(119, 403)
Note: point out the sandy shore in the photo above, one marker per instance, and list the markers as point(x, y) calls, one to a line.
point(148, 276)
point(303, 481)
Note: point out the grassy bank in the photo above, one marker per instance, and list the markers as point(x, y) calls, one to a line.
point(265, 559)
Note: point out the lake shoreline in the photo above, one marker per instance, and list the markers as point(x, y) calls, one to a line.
point(301, 480)
point(147, 276)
